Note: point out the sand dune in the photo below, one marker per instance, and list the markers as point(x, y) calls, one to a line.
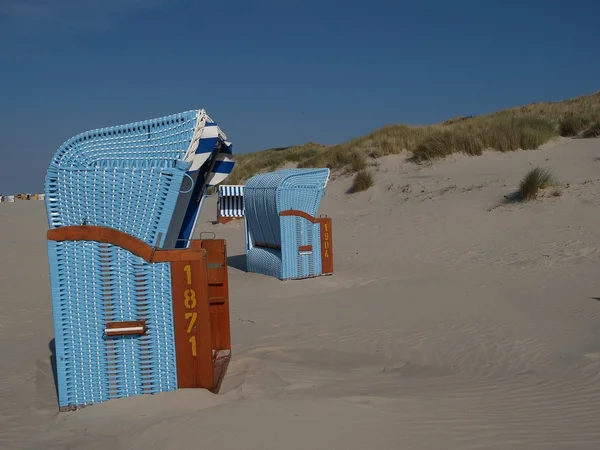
point(455, 320)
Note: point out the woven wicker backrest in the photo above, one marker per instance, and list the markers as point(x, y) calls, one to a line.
point(267, 194)
point(151, 143)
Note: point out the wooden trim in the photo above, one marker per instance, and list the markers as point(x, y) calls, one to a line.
point(183, 254)
point(123, 240)
point(137, 327)
point(305, 248)
point(295, 212)
point(102, 234)
point(326, 245)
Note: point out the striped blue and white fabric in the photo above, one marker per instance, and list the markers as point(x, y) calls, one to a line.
point(209, 145)
point(231, 201)
point(210, 155)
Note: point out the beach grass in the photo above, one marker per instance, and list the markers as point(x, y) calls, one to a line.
point(593, 131)
point(249, 164)
point(363, 180)
point(534, 182)
point(520, 128)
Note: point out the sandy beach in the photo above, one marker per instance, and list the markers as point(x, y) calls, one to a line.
point(454, 320)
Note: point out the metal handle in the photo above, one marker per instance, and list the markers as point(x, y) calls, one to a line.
point(126, 328)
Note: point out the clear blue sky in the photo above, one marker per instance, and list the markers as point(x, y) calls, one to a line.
point(277, 72)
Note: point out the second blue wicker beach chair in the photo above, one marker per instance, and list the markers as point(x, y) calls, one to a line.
point(284, 238)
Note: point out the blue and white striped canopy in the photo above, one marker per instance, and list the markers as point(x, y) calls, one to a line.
point(231, 201)
point(222, 168)
point(204, 141)
point(210, 157)
point(231, 190)
point(208, 143)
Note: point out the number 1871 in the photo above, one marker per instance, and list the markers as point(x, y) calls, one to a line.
point(190, 303)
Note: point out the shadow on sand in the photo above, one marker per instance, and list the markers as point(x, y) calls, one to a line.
point(52, 347)
point(237, 262)
point(509, 199)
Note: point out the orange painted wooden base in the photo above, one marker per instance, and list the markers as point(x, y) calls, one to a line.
point(218, 291)
point(218, 307)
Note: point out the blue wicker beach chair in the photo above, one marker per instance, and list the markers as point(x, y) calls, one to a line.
point(284, 238)
point(141, 185)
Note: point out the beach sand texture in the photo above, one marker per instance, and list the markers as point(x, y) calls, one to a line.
point(453, 321)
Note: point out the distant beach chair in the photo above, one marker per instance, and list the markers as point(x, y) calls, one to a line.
point(138, 305)
point(230, 204)
point(284, 238)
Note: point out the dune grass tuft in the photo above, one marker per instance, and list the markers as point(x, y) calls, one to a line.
point(363, 180)
point(358, 162)
point(534, 181)
point(504, 134)
point(572, 124)
point(249, 164)
point(593, 131)
point(442, 143)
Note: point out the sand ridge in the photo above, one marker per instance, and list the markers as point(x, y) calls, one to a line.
point(454, 320)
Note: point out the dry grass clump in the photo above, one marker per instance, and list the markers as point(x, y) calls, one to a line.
point(514, 133)
point(593, 131)
point(500, 133)
point(445, 142)
point(358, 162)
point(389, 140)
point(572, 124)
point(363, 180)
point(249, 164)
point(534, 182)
